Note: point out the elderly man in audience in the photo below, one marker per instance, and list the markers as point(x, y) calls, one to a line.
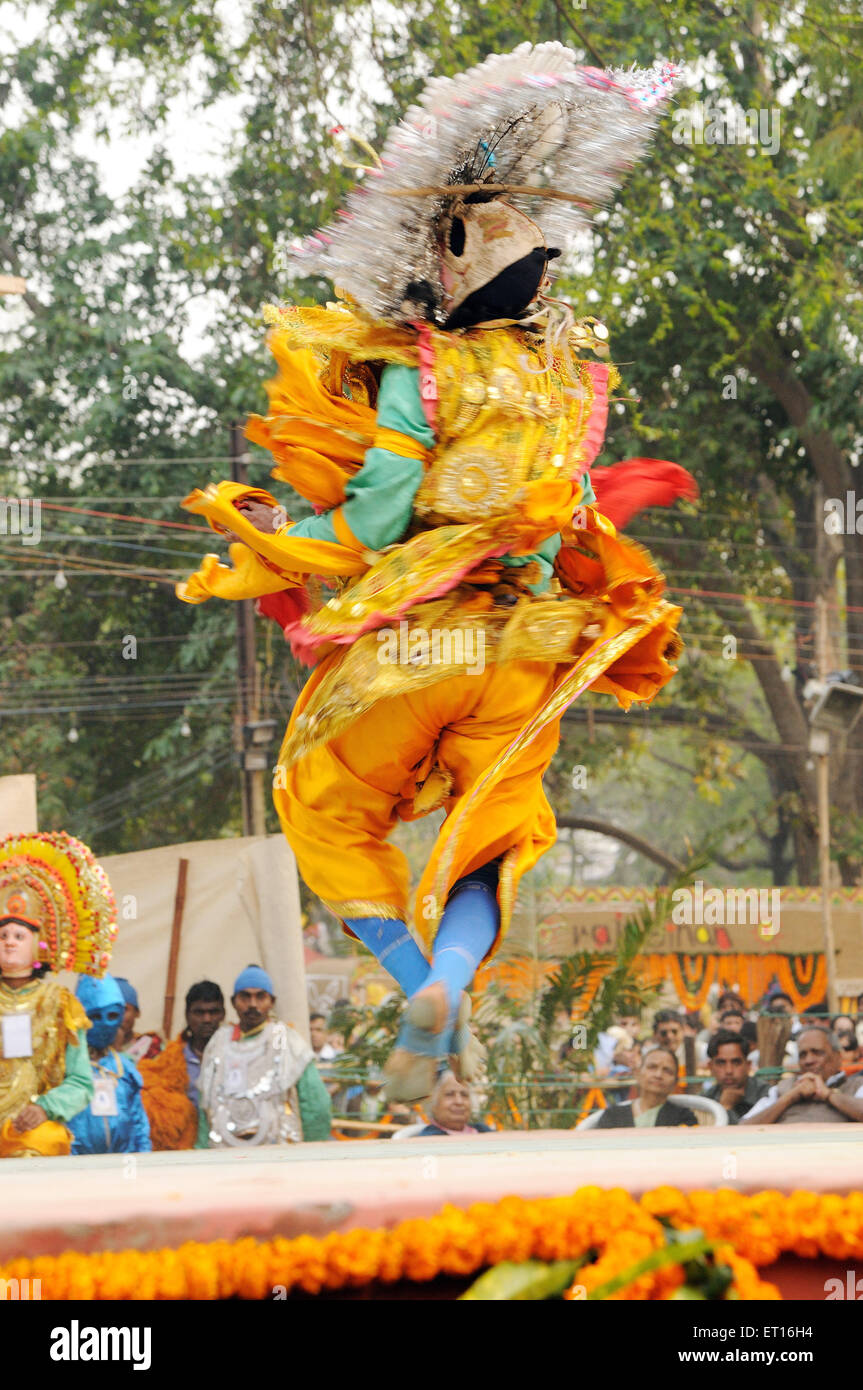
point(822, 1093)
point(450, 1109)
point(732, 1086)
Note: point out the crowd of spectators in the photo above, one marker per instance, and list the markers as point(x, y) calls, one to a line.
point(817, 1079)
point(253, 1079)
point(647, 1066)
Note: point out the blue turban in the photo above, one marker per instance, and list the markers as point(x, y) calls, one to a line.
point(129, 992)
point(254, 977)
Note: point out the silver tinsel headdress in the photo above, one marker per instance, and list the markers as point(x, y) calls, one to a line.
point(553, 138)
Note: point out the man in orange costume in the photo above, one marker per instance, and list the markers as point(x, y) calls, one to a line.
point(170, 1092)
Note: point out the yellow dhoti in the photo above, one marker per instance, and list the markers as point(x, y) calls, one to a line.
point(342, 799)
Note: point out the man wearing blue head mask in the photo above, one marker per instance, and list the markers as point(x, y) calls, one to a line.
point(115, 1120)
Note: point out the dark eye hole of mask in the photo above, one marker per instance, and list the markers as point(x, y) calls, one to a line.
point(457, 236)
point(109, 1015)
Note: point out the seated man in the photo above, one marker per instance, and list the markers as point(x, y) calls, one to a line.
point(732, 1086)
point(668, 1031)
point(732, 1020)
point(450, 1107)
point(821, 1094)
point(135, 1045)
point(846, 1032)
point(259, 1083)
point(171, 1079)
point(324, 1051)
point(115, 1120)
point(657, 1079)
point(852, 1057)
point(320, 1039)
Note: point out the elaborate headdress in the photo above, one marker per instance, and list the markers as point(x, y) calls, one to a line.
point(532, 128)
point(52, 884)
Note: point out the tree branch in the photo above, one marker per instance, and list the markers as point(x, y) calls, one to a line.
point(626, 837)
point(567, 19)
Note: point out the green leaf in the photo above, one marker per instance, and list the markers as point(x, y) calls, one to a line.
point(530, 1281)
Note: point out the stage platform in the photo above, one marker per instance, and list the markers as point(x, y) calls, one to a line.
point(147, 1201)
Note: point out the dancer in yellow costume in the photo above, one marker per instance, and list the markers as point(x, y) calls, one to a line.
point(459, 586)
point(56, 911)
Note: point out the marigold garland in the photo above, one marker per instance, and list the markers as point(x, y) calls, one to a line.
point(753, 1230)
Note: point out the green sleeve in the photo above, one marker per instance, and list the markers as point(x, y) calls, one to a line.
point(315, 1110)
point(544, 556)
point(379, 499)
point(202, 1138)
point(76, 1089)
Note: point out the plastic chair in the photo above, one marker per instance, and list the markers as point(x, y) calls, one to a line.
point(409, 1131)
point(710, 1107)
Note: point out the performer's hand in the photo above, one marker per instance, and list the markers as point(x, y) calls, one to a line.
point(29, 1118)
point(262, 516)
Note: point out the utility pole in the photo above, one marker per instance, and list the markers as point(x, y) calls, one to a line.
point(819, 746)
point(253, 760)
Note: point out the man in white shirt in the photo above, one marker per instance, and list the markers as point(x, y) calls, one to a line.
point(821, 1094)
point(319, 1039)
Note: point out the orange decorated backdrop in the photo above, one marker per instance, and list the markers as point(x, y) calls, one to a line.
point(802, 977)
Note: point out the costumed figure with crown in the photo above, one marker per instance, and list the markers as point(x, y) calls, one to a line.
point(463, 579)
point(57, 912)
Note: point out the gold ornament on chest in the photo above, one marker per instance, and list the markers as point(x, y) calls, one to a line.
point(469, 482)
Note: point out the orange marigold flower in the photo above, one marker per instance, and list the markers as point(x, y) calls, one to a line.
point(753, 1230)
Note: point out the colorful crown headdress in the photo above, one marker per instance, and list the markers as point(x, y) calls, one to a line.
point(531, 126)
point(52, 883)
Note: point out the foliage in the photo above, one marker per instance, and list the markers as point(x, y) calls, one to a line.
point(367, 1035)
point(531, 1073)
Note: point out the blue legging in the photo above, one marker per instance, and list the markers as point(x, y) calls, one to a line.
point(467, 930)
